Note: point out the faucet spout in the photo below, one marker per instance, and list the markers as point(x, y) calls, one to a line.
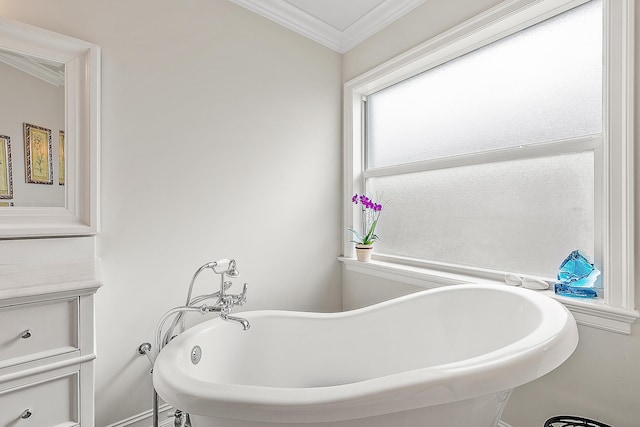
point(243, 322)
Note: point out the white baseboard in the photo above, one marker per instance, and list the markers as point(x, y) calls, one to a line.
point(145, 419)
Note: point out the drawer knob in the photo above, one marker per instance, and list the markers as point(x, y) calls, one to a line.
point(26, 334)
point(26, 414)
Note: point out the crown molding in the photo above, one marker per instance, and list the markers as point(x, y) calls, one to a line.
point(33, 68)
point(315, 29)
point(376, 20)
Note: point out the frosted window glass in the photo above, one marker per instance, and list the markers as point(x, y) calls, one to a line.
point(522, 216)
point(541, 84)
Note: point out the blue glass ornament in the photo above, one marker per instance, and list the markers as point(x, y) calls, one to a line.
point(577, 277)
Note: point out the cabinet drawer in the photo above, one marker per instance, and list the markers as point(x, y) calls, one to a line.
point(38, 330)
point(53, 402)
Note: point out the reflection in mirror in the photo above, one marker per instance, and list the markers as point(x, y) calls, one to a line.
point(32, 116)
point(50, 129)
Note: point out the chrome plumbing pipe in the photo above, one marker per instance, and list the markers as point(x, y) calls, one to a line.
point(160, 344)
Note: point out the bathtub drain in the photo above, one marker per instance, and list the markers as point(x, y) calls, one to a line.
point(196, 354)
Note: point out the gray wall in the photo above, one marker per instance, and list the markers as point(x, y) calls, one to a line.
point(28, 99)
point(601, 380)
point(220, 138)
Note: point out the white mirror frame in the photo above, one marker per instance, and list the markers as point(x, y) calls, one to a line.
point(80, 215)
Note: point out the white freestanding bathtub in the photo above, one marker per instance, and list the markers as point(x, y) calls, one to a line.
point(446, 357)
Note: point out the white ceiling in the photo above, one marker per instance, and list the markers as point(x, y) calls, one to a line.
point(337, 24)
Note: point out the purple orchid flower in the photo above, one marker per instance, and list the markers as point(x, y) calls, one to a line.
point(370, 214)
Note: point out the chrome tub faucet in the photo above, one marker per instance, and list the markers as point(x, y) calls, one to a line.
point(223, 305)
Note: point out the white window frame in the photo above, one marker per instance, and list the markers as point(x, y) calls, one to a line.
point(614, 197)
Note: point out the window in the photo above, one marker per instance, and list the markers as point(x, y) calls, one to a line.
point(503, 145)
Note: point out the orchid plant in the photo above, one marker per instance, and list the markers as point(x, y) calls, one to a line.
point(370, 215)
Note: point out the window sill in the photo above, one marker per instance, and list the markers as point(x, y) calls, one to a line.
point(594, 313)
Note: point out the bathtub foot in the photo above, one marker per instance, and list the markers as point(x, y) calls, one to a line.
point(180, 418)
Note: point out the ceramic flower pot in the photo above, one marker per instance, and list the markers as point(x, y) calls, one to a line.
point(363, 252)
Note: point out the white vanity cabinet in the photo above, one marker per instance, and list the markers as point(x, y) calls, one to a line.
point(49, 272)
point(47, 348)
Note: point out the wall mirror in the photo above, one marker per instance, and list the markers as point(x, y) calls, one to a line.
point(49, 142)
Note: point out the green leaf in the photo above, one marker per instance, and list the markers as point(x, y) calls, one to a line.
point(357, 235)
point(371, 230)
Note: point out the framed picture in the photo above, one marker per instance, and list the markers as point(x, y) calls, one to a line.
point(6, 204)
point(6, 175)
point(37, 154)
point(61, 158)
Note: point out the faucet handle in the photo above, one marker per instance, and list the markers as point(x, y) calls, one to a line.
point(242, 298)
point(226, 285)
